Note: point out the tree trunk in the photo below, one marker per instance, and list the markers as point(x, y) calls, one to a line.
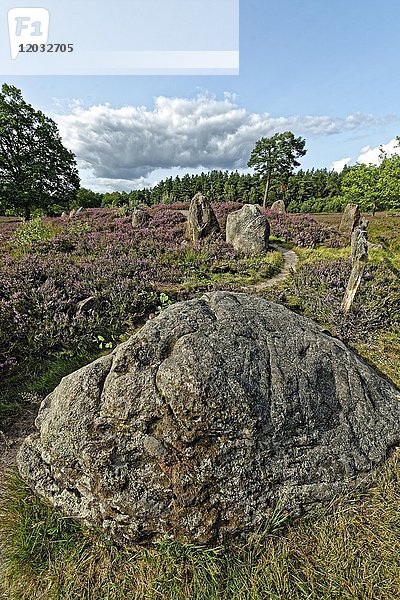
point(265, 201)
point(27, 214)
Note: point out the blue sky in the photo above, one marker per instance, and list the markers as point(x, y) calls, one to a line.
point(326, 70)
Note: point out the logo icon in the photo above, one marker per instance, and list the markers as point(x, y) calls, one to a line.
point(27, 26)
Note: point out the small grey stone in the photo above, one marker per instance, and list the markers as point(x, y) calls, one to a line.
point(279, 206)
point(140, 218)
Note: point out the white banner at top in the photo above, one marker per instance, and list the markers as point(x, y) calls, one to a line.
point(125, 37)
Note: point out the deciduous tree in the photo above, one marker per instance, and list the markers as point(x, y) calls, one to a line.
point(36, 170)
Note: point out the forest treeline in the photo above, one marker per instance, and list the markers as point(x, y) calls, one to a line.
point(41, 177)
point(314, 190)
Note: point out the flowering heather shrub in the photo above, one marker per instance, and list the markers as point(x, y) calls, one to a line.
point(97, 255)
point(100, 255)
point(39, 298)
point(179, 206)
point(222, 210)
point(8, 226)
point(317, 290)
point(302, 230)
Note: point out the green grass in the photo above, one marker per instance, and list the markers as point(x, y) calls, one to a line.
point(383, 229)
point(36, 381)
point(347, 551)
point(201, 274)
point(383, 352)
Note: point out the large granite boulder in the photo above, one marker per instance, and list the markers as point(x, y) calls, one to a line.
point(202, 221)
point(247, 229)
point(279, 206)
point(350, 219)
point(213, 412)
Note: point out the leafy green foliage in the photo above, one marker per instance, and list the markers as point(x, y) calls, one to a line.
point(374, 187)
point(360, 186)
point(103, 344)
point(306, 191)
point(32, 232)
point(165, 301)
point(87, 199)
point(36, 170)
point(276, 157)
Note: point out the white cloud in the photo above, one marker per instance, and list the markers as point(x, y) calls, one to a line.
point(370, 155)
point(122, 147)
point(339, 165)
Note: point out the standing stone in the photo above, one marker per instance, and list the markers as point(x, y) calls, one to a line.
point(140, 218)
point(202, 221)
point(79, 211)
point(279, 206)
point(248, 230)
point(72, 214)
point(64, 215)
point(211, 414)
point(359, 258)
point(350, 219)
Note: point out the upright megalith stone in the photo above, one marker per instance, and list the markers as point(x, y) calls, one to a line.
point(202, 221)
point(279, 206)
point(350, 219)
point(209, 415)
point(247, 229)
point(359, 259)
point(140, 218)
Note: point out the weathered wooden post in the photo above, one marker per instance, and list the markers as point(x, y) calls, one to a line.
point(359, 258)
point(350, 219)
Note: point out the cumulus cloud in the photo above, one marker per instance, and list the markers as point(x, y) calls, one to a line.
point(370, 155)
point(127, 144)
point(339, 165)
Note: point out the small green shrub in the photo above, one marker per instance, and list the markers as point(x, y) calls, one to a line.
point(33, 232)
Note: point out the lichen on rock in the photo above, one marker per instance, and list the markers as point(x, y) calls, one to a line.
point(207, 417)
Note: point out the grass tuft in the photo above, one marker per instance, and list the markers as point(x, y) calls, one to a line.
point(349, 550)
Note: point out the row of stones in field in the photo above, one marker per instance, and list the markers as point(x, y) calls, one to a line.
point(247, 229)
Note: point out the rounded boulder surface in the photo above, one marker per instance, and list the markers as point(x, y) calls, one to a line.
point(247, 229)
point(207, 417)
